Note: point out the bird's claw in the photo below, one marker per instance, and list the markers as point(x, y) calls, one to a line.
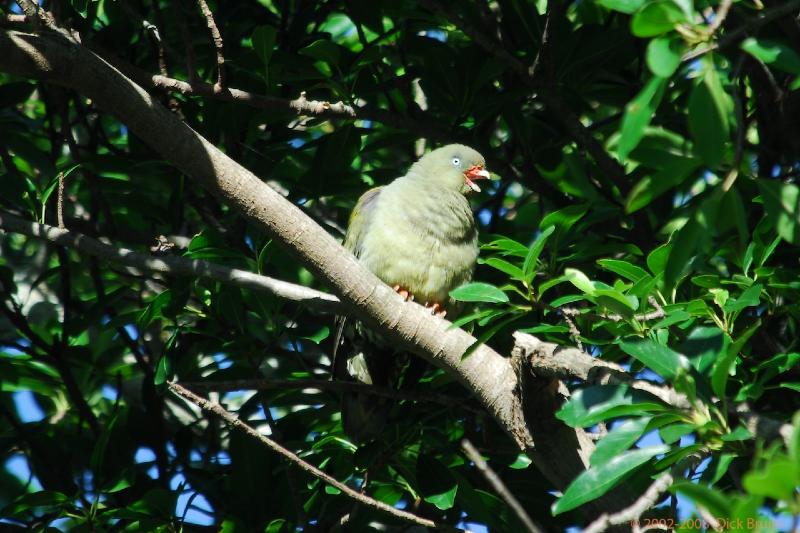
point(407, 296)
point(436, 309)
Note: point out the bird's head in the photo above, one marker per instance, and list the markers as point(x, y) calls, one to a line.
point(453, 166)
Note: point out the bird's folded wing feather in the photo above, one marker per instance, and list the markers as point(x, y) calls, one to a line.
point(360, 219)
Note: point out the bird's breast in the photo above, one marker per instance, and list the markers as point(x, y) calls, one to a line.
point(423, 240)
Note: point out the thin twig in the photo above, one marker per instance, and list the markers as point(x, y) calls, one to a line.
point(218, 411)
point(336, 386)
point(60, 201)
point(499, 487)
point(719, 18)
point(632, 513)
point(738, 34)
point(217, 38)
point(172, 265)
point(574, 332)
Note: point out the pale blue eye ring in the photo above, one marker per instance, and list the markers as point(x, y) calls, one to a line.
point(456, 161)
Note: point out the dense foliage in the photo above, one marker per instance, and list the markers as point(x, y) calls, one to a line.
point(646, 209)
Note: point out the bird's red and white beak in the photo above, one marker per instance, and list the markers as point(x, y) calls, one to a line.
point(473, 174)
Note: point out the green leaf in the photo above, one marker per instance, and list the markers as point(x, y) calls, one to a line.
point(580, 280)
point(657, 17)
point(507, 247)
point(713, 500)
point(319, 336)
point(657, 259)
point(42, 501)
point(600, 402)
point(794, 439)
point(779, 479)
point(619, 439)
point(722, 366)
point(623, 6)
point(436, 484)
point(595, 482)
point(749, 298)
point(664, 55)
point(709, 109)
point(503, 266)
point(529, 266)
point(617, 302)
point(782, 203)
point(323, 50)
point(703, 345)
point(623, 268)
point(638, 114)
point(565, 218)
point(263, 39)
point(676, 171)
point(773, 53)
point(479, 292)
point(672, 433)
point(691, 237)
point(663, 361)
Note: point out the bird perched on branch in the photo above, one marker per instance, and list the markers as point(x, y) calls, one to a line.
point(418, 235)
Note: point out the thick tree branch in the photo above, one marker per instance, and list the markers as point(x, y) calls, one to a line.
point(52, 58)
point(173, 265)
point(553, 361)
point(231, 420)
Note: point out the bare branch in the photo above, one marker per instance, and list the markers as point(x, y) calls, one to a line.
point(218, 411)
point(60, 201)
point(551, 360)
point(634, 511)
point(499, 487)
point(172, 265)
point(719, 16)
point(217, 38)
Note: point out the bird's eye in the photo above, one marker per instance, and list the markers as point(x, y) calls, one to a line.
point(456, 161)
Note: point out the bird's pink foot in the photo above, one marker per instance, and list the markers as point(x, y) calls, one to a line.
point(436, 309)
point(407, 296)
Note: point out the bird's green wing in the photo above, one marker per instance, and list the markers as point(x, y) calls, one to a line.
point(353, 358)
point(360, 220)
point(357, 227)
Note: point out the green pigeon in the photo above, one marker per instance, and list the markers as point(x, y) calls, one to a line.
point(418, 235)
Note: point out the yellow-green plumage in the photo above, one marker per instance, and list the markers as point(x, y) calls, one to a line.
point(418, 233)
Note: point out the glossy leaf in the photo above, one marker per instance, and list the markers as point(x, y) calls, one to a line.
point(596, 481)
point(601, 402)
point(479, 292)
point(660, 359)
point(638, 114)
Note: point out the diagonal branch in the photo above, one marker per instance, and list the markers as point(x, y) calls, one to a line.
point(218, 411)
